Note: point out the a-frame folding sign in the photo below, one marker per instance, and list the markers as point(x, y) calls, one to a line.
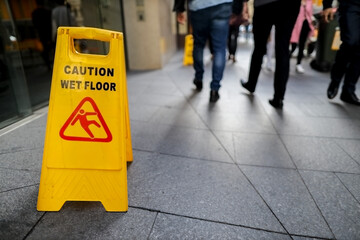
point(188, 50)
point(88, 140)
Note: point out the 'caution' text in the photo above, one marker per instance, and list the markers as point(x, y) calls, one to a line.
point(91, 71)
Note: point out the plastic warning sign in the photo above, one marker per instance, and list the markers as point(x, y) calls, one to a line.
point(88, 140)
point(188, 50)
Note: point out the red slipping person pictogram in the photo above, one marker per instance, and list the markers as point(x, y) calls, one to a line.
point(81, 116)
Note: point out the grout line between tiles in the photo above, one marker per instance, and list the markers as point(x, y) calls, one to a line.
point(224, 223)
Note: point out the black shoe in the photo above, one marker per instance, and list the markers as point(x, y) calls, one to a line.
point(198, 84)
point(350, 98)
point(245, 85)
point(332, 89)
point(214, 96)
point(276, 103)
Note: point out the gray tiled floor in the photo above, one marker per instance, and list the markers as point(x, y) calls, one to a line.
point(237, 169)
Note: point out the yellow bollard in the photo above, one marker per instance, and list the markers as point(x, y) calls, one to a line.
point(88, 139)
point(188, 50)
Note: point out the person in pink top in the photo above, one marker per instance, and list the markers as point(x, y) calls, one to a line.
point(302, 30)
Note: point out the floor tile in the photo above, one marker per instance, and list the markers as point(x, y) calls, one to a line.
point(338, 206)
point(163, 87)
point(178, 141)
point(326, 110)
point(195, 188)
point(261, 150)
point(319, 127)
point(319, 154)
point(240, 104)
point(256, 123)
point(162, 100)
point(226, 139)
point(142, 112)
point(22, 160)
point(18, 212)
point(352, 183)
point(173, 227)
point(287, 196)
point(185, 117)
point(23, 138)
point(351, 147)
point(89, 220)
point(12, 179)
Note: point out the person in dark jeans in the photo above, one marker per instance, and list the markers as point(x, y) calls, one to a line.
point(209, 19)
point(347, 60)
point(282, 14)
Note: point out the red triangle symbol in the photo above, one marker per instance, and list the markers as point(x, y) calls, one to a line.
point(88, 118)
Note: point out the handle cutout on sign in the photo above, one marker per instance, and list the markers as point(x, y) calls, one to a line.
point(89, 46)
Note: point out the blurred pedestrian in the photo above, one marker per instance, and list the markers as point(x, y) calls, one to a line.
point(209, 19)
point(62, 16)
point(250, 14)
point(282, 14)
point(41, 18)
point(347, 60)
point(303, 29)
point(239, 16)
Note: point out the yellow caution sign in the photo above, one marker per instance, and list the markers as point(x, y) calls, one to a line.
point(88, 139)
point(188, 50)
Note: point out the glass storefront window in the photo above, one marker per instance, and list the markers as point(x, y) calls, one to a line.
point(32, 19)
point(27, 46)
point(14, 98)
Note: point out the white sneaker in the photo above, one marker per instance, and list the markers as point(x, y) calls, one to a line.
point(300, 69)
